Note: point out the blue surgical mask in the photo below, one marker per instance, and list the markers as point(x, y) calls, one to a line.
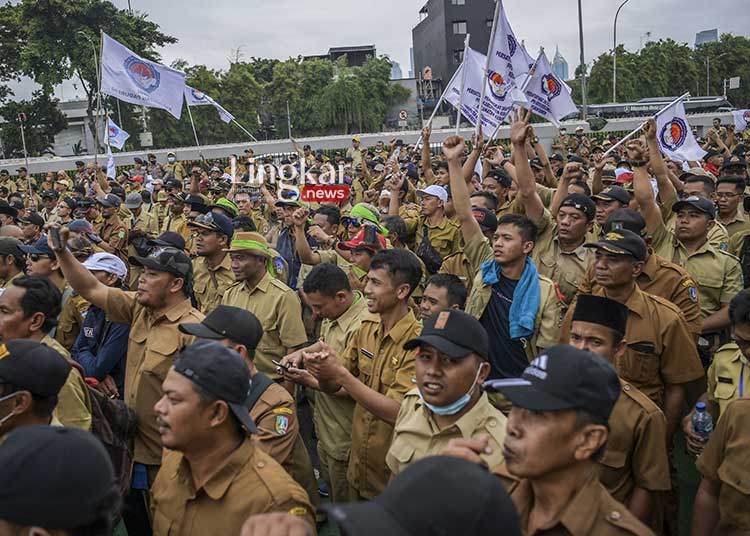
point(455, 406)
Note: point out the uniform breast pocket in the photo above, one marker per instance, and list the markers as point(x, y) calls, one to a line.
point(613, 459)
point(364, 364)
point(642, 363)
point(402, 451)
point(735, 490)
point(724, 391)
point(161, 353)
point(390, 369)
point(200, 288)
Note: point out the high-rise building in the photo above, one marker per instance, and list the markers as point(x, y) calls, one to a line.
point(559, 65)
point(707, 36)
point(438, 38)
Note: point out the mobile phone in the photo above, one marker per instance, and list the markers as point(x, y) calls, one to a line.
point(54, 234)
point(280, 364)
point(370, 235)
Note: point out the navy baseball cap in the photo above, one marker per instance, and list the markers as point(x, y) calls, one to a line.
point(582, 203)
point(696, 201)
point(213, 221)
point(32, 366)
point(40, 247)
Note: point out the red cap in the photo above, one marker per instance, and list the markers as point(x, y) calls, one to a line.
point(204, 183)
point(137, 178)
point(359, 241)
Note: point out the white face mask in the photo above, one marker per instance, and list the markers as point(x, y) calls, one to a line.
point(170, 159)
point(12, 413)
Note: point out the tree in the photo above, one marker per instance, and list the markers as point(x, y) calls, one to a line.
point(43, 121)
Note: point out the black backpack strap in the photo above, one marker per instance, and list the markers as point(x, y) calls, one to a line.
point(260, 383)
point(745, 261)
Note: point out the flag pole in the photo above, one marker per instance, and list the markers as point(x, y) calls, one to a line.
point(487, 63)
point(244, 130)
point(98, 69)
point(192, 124)
point(463, 83)
point(439, 102)
point(639, 127)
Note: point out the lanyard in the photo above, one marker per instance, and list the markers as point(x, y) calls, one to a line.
point(742, 378)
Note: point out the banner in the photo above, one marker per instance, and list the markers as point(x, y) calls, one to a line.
point(111, 172)
point(548, 96)
point(741, 120)
point(501, 93)
point(193, 97)
point(117, 136)
point(130, 78)
point(674, 134)
point(508, 55)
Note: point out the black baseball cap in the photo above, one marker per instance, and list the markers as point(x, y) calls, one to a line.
point(85, 202)
point(33, 218)
point(485, 218)
point(32, 366)
point(437, 495)
point(227, 322)
point(167, 259)
point(37, 463)
point(696, 201)
point(221, 372)
point(536, 163)
point(733, 161)
point(453, 332)
point(168, 239)
point(625, 218)
point(40, 247)
point(582, 203)
point(563, 378)
point(10, 246)
point(213, 221)
point(613, 193)
point(50, 193)
point(622, 242)
point(602, 311)
point(197, 203)
point(5, 208)
point(557, 156)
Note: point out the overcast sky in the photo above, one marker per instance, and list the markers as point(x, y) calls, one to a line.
point(208, 31)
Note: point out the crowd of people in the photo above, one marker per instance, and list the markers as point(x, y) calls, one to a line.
point(482, 339)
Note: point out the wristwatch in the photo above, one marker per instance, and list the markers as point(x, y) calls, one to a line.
point(638, 163)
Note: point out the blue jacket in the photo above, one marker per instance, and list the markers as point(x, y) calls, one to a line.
point(101, 347)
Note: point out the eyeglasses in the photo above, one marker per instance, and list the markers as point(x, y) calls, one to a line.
point(36, 257)
point(726, 195)
point(349, 220)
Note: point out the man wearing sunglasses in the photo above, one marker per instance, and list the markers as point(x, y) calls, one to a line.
point(212, 268)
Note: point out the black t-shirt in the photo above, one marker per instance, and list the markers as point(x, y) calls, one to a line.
point(507, 357)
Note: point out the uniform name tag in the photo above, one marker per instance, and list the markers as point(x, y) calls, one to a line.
point(725, 380)
point(367, 353)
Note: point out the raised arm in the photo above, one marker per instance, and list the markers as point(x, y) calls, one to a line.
point(644, 194)
point(596, 182)
point(78, 277)
point(306, 254)
point(429, 176)
point(527, 196)
point(471, 162)
point(453, 149)
point(656, 161)
point(571, 172)
point(549, 177)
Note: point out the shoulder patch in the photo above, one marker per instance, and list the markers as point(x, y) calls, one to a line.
point(281, 425)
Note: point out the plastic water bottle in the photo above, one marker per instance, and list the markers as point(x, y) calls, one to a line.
point(703, 423)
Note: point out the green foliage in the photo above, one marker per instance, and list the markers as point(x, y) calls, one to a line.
point(43, 121)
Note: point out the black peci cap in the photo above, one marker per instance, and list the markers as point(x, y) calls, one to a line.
point(453, 332)
point(32, 366)
point(227, 322)
point(168, 239)
point(625, 218)
point(613, 193)
point(485, 218)
point(622, 242)
point(563, 378)
point(601, 310)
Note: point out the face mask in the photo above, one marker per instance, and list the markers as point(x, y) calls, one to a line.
point(456, 406)
point(170, 160)
point(11, 414)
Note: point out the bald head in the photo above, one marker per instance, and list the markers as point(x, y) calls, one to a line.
point(11, 230)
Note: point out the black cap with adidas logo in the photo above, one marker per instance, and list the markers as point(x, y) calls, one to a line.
point(563, 377)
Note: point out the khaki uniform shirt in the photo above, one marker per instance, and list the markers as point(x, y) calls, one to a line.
point(458, 264)
point(725, 460)
point(261, 223)
point(177, 224)
point(248, 482)
point(716, 272)
point(445, 237)
point(210, 284)
point(10, 185)
point(380, 362)
point(153, 345)
point(737, 223)
point(280, 313)
point(333, 414)
point(114, 233)
point(73, 402)
point(417, 435)
point(176, 168)
point(728, 371)
point(71, 320)
point(636, 453)
point(660, 348)
point(592, 511)
point(146, 222)
point(666, 280)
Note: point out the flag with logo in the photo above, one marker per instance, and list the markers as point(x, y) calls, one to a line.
point(194, 97)
point(501, 93)
point(130, 78)
point(507, 54)
point(117, 136)
point(741, 120)
point(111, 171)
point(548, 96)
point(674, 134)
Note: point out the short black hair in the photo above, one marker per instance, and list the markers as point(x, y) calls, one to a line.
point(739, 308)
point(708, 184)
point(736, 180)
point(41, 296)
point(146, 196)
point(332, 214)
point(395, 226)
point(442, 165)
point(401, 264)
point(456, 291)
point(489, 196)
point(525, 226)
point(244, 223)
point(327, 279)
point(582, 184)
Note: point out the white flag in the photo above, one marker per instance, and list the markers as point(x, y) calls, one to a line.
point(111, 172)
point(741, 120)
point(675, 136)
point(193, 97)
point(507, 54)
point(130, 78)
point(548, 96)
point(501, 93)
point(117, 136)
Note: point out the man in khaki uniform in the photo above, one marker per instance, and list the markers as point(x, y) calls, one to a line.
point(114, 233)
point(448, 401)
point(556, 432)
point(12, 260)
point(729, 193)
point(175, 219)
point(214, 474)
point(175, 167)
point(661, 356)
point(212, 268)
point(6, 181)
point(276, 305)
point(635, 466)
point(375, 369)
point(330, 296)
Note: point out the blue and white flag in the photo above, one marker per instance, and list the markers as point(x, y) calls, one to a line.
point(675, 136)
point(130, 78)
point(548, 96)
point(193, 97)
point(507, 54)
point(501, 93)
point(117, 136)
point(111, 171)
point(741, 120)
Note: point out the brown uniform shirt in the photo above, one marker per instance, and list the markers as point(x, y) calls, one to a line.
point(445, 237)
point(177, 224)
point(153, 345)
point(70, 322)
point(380, 362)
point(636, 453)
point(73, 402)
point(416, 435)
point(725, 460)
point(114, 233)
point(660, 349)
point(280, 313)
point(728, 372)
point(210, 284)
point(458, 264)
point(666, 280)
point(591, 512)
